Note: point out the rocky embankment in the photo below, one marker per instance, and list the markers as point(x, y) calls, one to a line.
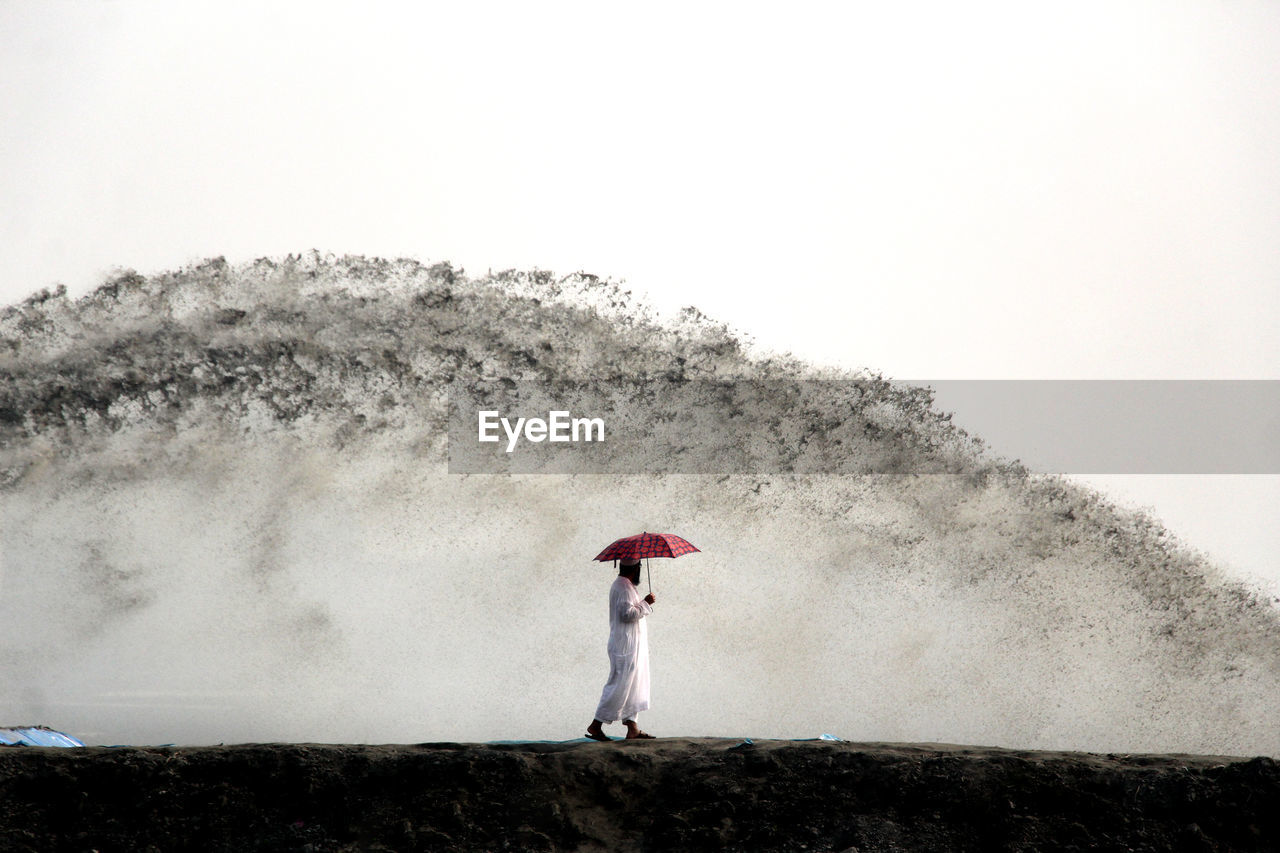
point(667, 794)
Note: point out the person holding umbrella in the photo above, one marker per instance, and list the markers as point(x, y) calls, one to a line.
point(626, 693)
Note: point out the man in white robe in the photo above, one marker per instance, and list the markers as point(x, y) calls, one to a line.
point(626, 693)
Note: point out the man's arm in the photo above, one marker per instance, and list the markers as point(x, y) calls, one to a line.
point(634, 611)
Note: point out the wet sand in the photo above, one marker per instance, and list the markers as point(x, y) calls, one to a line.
point(665, 794)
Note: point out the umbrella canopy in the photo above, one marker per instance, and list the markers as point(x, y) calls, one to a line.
point(646, 545)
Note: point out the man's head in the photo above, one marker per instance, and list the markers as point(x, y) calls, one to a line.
point(630, 568)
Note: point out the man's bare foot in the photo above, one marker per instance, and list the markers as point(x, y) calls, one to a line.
point(595, 731)
point(633, 731)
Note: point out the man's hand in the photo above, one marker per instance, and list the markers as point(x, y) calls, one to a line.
point(649, 598)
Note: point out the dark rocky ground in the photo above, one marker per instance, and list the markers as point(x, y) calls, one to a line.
point(666, 794)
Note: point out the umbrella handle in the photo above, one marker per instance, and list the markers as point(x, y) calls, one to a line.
point(647, 575)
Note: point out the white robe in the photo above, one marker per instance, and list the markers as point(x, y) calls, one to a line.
point(627, 691)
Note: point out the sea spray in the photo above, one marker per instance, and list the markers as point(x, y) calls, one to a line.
point(227, 515)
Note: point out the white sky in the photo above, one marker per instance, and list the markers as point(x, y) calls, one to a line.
point(935, 190)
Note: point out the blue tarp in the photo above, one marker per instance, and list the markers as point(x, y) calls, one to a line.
point(589, 740)
point(36, 736)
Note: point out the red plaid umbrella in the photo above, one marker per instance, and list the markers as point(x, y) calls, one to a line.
point(645, 545)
